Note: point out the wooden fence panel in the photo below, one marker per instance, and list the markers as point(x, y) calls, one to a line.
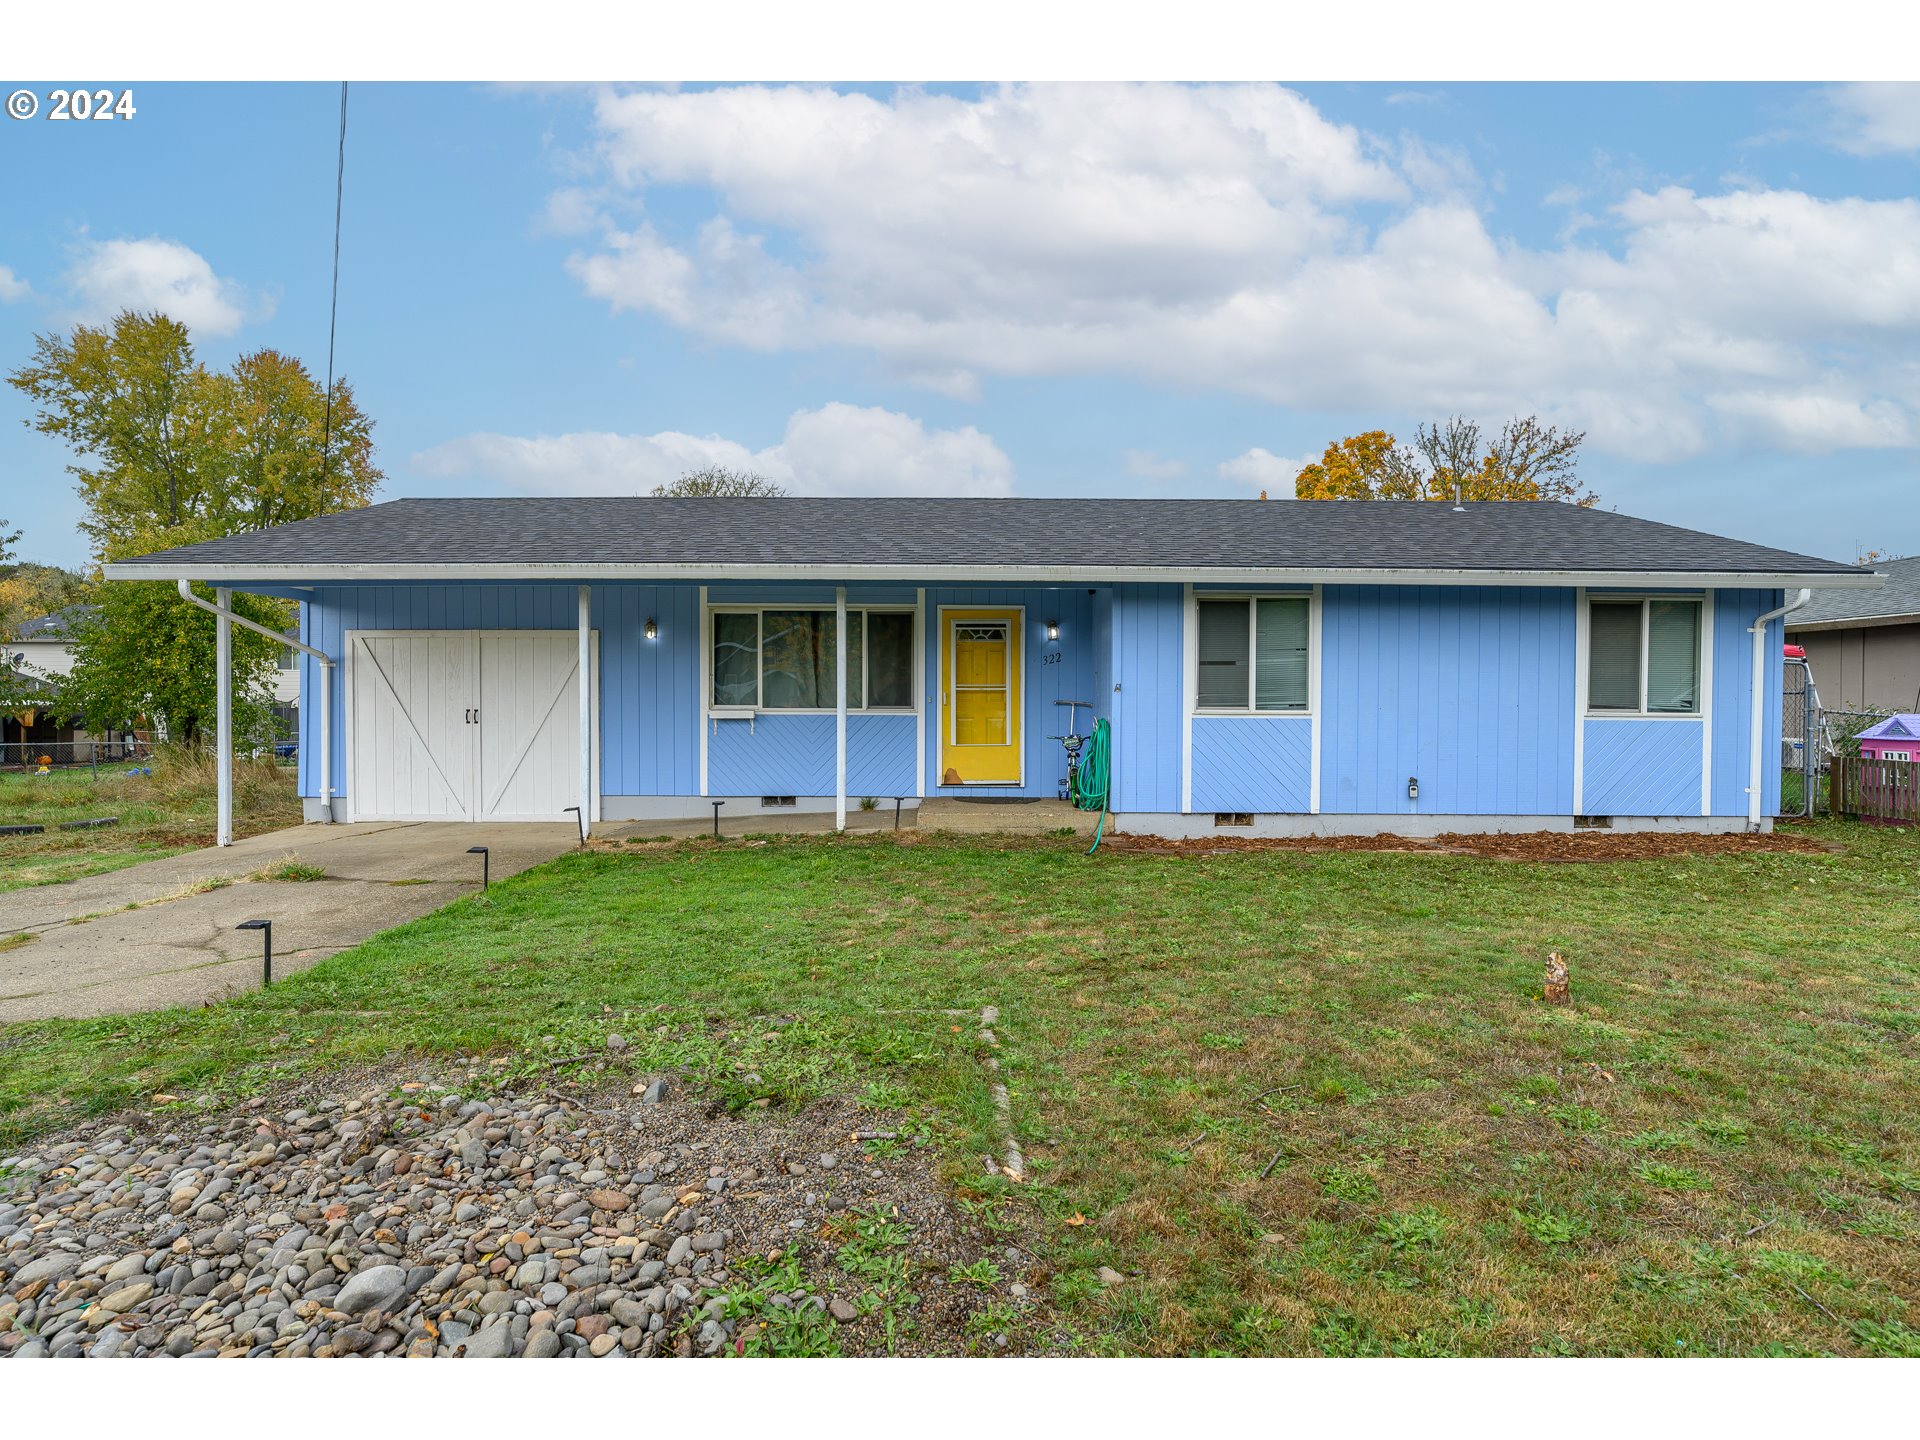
point(1887, 791)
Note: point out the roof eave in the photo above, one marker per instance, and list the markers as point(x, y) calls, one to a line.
point(413, 572)
point(1853, 622)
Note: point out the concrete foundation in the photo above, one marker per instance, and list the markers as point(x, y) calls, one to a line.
point(1293, 827)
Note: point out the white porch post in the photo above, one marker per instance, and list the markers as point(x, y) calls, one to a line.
point(326, 744)
point(586, 710)
point(223, 716)
point(840, 708)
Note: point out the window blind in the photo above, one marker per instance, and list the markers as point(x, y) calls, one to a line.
point(1223, 639)
point(1280, 659)
point(1673, 656)
point(1613, 657)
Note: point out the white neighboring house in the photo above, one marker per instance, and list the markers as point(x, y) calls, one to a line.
point(42, 649)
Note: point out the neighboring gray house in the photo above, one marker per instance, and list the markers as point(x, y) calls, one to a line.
point(1863, 646)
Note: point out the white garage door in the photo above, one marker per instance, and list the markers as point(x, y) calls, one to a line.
point(465, 724)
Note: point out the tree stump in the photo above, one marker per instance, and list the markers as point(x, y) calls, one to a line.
point(1556, 992)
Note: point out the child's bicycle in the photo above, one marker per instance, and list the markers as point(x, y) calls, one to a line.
point(1071, 742)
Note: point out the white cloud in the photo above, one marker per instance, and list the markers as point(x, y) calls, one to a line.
point(1260, 469)
point(1149, 466)
point(1231, 237)
point(1876, 118)
point(156, 274)
point(12, 287)
point(838, 449)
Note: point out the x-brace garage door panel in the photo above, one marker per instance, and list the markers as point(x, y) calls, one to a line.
point(466, 724)
point(530, 724)
point(411, 743)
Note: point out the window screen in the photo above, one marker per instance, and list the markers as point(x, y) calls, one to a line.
point(784, 659)
point(1280, 658)
point(1613, 657)
point(890, 659)
point(1223, 638)
point(736, 659)
point(1673, 656)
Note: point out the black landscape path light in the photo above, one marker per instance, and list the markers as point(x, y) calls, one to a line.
point(716, 818)
point(266, 955)
point(481, 851)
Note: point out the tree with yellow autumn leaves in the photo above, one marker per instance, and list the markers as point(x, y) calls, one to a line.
point(1525, 461)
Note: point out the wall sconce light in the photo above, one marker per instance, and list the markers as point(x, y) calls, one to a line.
point(1053, 629)
point(653, 630)
point(1413, 788)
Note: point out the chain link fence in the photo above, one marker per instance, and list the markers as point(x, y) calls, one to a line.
point(90, 754)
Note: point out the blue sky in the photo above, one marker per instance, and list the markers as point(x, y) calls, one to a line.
point(1075, 291)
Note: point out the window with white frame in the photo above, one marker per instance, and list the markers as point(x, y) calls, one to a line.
point(1252, 653)
point(1643, 656)
point(783, 659)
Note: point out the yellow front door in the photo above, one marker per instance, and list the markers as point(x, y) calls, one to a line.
point(980, 698)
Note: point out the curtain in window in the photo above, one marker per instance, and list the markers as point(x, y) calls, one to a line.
point(1613, 657)
point(797, 659)
point(890, 662)
point(1673, 656)
point(736, 659)
point(1280, 659)
point(1223, 639)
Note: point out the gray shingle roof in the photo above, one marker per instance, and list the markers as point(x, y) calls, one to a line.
point(1899, 598)
point(60, 625)
point(950, 536)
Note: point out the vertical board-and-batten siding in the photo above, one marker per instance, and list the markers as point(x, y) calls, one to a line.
point(1467, 689)
point(1470, 689)
point(1148, 700)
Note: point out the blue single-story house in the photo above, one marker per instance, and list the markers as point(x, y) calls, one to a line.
point(1283, 667)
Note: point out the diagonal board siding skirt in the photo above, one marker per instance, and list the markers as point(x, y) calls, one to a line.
point(1643, 767)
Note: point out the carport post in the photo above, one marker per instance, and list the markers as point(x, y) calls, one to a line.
point(586, 711)
point(840, 708)
point(223, 716)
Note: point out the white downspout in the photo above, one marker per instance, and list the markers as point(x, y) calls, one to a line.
point(224, 613)
point(840, 708)
point(586, 711)
point(223, 716)
point(1757, 735)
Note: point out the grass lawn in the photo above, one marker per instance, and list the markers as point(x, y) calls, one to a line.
point(163, 813)
point(1308, 1103)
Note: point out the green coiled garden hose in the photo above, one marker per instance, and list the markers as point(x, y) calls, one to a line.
point(1091, 778)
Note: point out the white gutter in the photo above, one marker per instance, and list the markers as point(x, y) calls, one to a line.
point(225, 614)
point(1757, 736)
point(573, 572)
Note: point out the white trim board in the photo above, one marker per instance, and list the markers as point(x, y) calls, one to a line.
point(1706, 704)
point(1580, 701)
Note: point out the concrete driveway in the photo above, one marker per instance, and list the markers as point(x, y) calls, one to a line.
point(150, 935)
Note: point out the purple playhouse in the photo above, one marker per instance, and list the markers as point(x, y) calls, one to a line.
point(1895, 738)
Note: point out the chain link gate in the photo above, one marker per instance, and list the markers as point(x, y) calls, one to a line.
point(1803, 747)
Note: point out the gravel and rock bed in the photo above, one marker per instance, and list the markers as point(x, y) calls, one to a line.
point(1547, 846)
point(405, 1220)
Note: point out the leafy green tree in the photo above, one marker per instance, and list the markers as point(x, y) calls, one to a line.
point(146, 657)
point(168, 453)
point(719, 480)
